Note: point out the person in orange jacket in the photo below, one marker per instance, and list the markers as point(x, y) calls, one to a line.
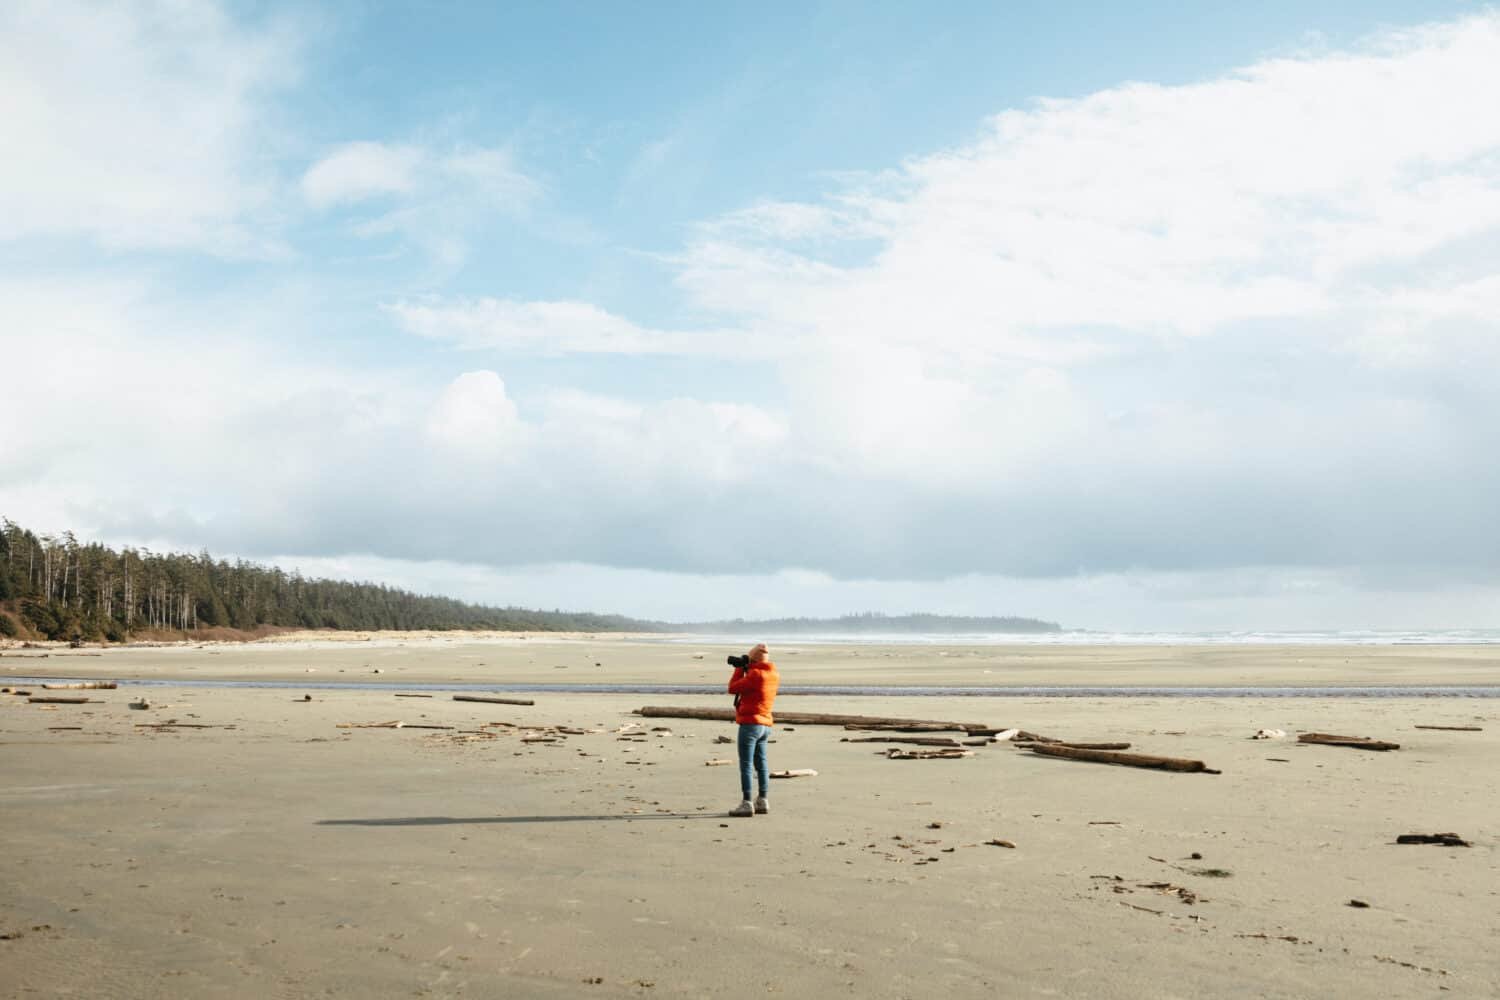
point(754, 686)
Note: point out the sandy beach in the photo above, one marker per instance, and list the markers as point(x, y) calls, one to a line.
point(281, 854)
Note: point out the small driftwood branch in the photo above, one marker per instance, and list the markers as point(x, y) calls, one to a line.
point(493, 700)
point(82, 686)
point(1358, 742)
point(1127, 759)
point(413, 696)
point(393, 724)
point(946, 753)
point(796, 718)
point(179, 725)
point(798, 772)
point(1454, 729)
point(1441, 839)
point(56, 700)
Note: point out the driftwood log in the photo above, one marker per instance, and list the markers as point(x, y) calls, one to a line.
point(921, 741)
point(796, 772)
point(1455, 729)
point(900, 727)
point(1358, 742)
point(493, 700)
point(795, 718)
point(1127, 759)
point(82, 686)
point(60, 699)
point(1441, 839)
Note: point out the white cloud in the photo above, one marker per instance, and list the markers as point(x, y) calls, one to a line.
point(139, 125)
point(361, 170)
point(560, 328)
point(474, 417)
point(431, 197)
point(358, 171)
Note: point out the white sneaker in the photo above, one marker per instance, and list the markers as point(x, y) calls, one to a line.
point(762, 806)
point(743, 809)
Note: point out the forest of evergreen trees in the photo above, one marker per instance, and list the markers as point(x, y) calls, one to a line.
point(55, 587)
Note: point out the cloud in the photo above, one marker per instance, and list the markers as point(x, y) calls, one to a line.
point(141, 125)
point(435, 199)
point(473, 416)
point(511, 327)
point(361, 170)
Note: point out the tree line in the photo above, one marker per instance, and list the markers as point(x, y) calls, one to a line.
point(59, 588)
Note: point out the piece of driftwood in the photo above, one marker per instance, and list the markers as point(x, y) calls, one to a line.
point(1441, 839)
point(997, 842)
point(422, 725)
point(921, 741)
point(1358, 742)
point(794, 718)
point(796, 772)
point(179, 725)
point(1091, 746)
point(898, 727)
point(716, 763)
point(393, 724)
point(1454, 729)
point(493, 700)
point(1127, 759)
point(81, 686)
point(39, 699)
point(945, 753)
point(413, 696)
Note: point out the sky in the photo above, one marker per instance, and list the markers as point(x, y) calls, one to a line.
point(1162, 316)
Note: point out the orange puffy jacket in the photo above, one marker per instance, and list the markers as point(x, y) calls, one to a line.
point(757, 690)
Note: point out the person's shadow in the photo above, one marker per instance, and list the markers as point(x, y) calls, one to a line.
point(457, 820)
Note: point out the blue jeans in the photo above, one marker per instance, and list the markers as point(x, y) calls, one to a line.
point(752, 747)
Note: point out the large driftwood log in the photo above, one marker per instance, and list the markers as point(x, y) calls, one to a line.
point(57, 700)
point(921, 741)
point(1128, 759)
point(82, 686)
point(794, 718)
point(1358, 742)
point(493, 700)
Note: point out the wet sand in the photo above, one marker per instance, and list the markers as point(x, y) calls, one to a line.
point(289, 857)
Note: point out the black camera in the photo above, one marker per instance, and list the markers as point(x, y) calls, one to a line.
point(739, 662)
